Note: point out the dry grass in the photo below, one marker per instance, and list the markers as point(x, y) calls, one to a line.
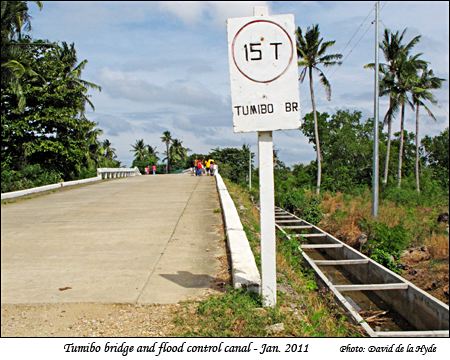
point(343, 216)
point(438, 246)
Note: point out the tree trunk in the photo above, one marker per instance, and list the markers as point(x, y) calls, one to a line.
point(417, 150)
point(168, 157)
point(388, 149)
point(316, 133)
point(400, 150)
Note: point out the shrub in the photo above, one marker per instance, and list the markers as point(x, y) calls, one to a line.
point(302, 203)
point(28, 177)
point(312, 212)
point(385, 243)
point(431, 193)
point(86, 173)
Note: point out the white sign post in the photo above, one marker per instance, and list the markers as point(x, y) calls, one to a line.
point(264, 92)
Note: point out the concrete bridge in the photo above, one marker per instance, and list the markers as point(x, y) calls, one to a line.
point(145, 239)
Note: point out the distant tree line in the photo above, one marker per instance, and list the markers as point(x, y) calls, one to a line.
point(46, 136)
point(176, 155)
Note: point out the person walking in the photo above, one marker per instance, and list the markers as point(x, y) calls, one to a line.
point(207, 166)
point(147, 170)
point(199, 168)
point(194, 169)
point(154, 169)
point(211, 168)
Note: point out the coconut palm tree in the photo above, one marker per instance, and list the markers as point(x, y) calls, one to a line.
point(408, 66)
point(139, 150)
point(311, 52)
point(178, 153)
point(72, 72)
point(421, 93)
point(15, 19)
point(167, 139)
point(108, 151)
point(393, 50)
point(93, 147)
point(152, 152)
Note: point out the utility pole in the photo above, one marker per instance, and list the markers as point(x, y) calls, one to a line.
point(375, 182)
point(249, 168)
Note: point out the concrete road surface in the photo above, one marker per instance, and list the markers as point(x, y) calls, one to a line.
point(146, 239)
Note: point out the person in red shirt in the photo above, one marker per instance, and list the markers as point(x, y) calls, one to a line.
point(199, 168)
point(154, 169)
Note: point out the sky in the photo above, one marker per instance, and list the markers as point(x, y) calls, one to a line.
point(164, 65)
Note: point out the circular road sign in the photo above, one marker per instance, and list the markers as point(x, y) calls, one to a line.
point(262, 51)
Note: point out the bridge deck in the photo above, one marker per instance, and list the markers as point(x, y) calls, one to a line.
point(146, 239)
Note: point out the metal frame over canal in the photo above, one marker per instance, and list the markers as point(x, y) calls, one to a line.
point(361, 284)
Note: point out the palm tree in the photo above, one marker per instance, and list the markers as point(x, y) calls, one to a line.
point(108, 151)
point(393, 51)
point(167, 139)
point(72, 72)
point(311, 52)
point(178, 153)
point(15, 16)
point(139, 150)
point(407, 70)
point(14, 19)
point(151, 151)
point(93, 152)
point(420, 94)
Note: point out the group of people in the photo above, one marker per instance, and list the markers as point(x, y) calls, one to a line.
point(147, 169)
point(203, 166)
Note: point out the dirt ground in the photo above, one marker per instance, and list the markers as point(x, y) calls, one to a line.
point(87, 320)
point(431, 275)
point(102, 320)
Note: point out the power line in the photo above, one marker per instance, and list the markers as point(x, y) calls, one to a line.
point(359, 27)
point(359, 40)
point(351, 50)
point(353, 36)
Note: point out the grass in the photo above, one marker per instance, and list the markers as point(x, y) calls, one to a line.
point(303, 310)
point(344, 215)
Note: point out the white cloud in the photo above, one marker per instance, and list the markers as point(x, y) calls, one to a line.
point(190, 12)
point(194, 12)
point(128, 85)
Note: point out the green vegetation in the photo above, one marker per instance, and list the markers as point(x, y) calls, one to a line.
point(385, 243)
point(175, 155)
point(144, 155)
point(46, 136)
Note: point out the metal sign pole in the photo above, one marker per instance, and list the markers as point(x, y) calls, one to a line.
point(267, 219)
point(267, 208)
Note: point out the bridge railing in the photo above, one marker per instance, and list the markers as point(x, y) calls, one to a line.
point(112, 173)
point(102, 173)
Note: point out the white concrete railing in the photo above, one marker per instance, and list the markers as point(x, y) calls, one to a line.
point(244, 271)
point(102, 173)
point(112, 173)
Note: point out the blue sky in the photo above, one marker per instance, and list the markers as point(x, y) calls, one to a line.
point(164, 65)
